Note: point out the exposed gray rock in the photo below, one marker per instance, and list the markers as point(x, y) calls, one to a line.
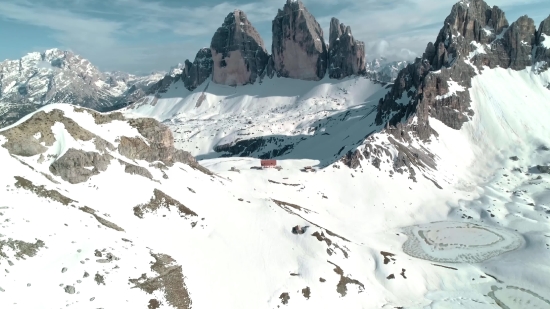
point(346, 56)
point(422, 88)
point(298, 49)
point(519, 41)
point(76, 166)
point(543, 169)
point(541, 53)
point(69, 289)
point(352, 159)
point(238, 51)
point(136, 170)
point(160, 148)
point(22, 141)
point(194, 74)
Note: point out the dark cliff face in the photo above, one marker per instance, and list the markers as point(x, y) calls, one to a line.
point(346, 56)
point(298, 49)
point(197, 72)
point(238, 51)
point(474, 35)
point(193, 74)
point(541, 52)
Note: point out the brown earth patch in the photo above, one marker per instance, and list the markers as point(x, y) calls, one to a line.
point(306, 292)
point(321, 237)
point(42, 191)
point(341, 287)
point(284, 297)
point(387, 256)
point(153, 304)
point(170, 280)
point(161, 199)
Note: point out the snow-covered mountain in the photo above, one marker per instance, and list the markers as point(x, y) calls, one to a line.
point(57, 76)
point(430, 192)
point(384, 70)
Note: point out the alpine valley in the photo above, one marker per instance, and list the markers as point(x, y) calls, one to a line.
point(398, 185)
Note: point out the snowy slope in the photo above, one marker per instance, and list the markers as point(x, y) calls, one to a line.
point(374, 239)
point(297, 119)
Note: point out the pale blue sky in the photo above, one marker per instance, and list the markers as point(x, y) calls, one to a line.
point(147, 35)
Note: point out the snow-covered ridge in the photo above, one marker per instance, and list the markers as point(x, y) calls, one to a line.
point(57, 76)
point(311, 116)
point(374, 239)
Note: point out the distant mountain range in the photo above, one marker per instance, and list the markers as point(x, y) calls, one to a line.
point(57, 76)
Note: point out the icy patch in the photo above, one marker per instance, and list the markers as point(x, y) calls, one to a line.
point(459, 242)
point(516, 298)
point(453, 88)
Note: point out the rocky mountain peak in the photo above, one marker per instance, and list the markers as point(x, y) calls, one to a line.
point(346, 56)
point(298, 49)
point(238, 51)
point(473, 36)
point(57, 75)
point(541, 51)
point(544, 29)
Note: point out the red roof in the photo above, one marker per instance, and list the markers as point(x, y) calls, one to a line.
point(268, 162)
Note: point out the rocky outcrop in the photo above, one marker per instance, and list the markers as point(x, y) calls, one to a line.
point(346, 56)
point(159, 145)
point(238, 51)
point(436, 85)
point(76, 166)
point(136, 170)
point(541, 52)
point(192, 74)
point(298, 49)
point(474, 35)
point(195, 73)
point(35, 136)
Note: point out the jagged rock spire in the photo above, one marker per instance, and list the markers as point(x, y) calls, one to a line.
point(346, 56)
point(238, 51)
point(298, 49)
point(196, 72)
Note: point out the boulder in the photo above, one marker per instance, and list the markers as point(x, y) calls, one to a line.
point(346, 56)
point(76, 166)
point(238, 51)
point(298, 47)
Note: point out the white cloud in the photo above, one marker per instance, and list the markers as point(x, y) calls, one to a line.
point(151, 35)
